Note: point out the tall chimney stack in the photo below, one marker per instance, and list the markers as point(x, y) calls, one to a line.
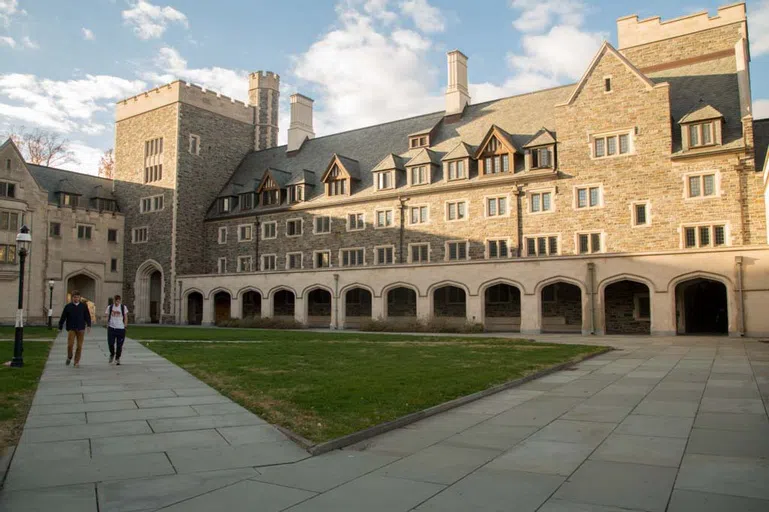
point(263, 94)
point(457, 95)
point(300, 128)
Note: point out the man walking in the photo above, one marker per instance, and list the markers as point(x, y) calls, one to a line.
point(117, 320)
point(78, 320)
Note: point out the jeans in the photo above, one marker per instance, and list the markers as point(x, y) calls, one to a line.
point(115, 335)
point(71, 336)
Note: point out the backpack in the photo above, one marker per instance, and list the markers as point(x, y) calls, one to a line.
point(122, 309)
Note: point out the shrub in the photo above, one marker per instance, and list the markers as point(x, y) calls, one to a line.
point(256, 322)
point(413, 325)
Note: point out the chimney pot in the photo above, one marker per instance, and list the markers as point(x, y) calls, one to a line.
point(300, 128)
point(457, 94)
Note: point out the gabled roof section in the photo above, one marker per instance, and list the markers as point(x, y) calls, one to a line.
point(102, 192)
point(349, 167)
point(280, 178)
point(232, 189)
point(502, 136)
point(54, 181)
point(605, 49)
point(542, 138)
point(462, 150)
point(66, 186)
point(702, 112)
point(390, 162)
point(424, 156)
point(303, 177)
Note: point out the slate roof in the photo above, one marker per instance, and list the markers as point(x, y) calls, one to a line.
point(351, 165)
point(303, 176)
point(391, 161)
point(761, 142)
point(59, 180)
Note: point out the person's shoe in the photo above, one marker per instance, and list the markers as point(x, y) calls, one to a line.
point(111, 358)
point(77, 365)
point(117, 362)
point(68, 361)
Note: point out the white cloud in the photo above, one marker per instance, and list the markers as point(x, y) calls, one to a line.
point(151, 21)
point(62, 105)
point(759, 28)
point(88, 34)
point(232, 83)
point(9, 8)
point(7, 41)
point(29, 43)
point(538, 15)
point(86, 158)
point(761, 109)
point(367, 72)
point(426, 17)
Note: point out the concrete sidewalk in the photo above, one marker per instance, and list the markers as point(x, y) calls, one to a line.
point(662, 424)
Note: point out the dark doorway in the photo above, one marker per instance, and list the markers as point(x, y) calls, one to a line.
point(357, 307)
point(222, 304)
point(283, 304)
point(252, 304)
point(401, 303)
point(627, 308)
point(701, 307)
point(502, 308)
point(155, 292)
point(194, 308)
point(561, 308)
point(319, 308)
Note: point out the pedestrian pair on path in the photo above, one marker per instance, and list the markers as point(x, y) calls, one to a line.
point(78, 320)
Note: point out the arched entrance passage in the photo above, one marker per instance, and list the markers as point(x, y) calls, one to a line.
point(222, 305)
point(357, 307)
point(251, 304)
point(502, 308)
point(195, 308)
point(284, 304)
point(319, 308)
point(561, 308)
point(701, 307)
point(401, 305)
point(450, 304)
point(627, 308)
point(86, 285)
point(149, 292)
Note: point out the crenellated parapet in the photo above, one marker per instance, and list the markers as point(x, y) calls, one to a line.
point(184, 92)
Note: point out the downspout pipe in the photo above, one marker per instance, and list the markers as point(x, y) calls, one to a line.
point(741, 297)
point(591, 266)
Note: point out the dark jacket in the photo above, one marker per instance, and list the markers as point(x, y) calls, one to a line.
point(77, 317)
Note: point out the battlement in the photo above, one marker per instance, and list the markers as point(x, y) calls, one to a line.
point(184, 92)
point(263, 80)
point(632, 32)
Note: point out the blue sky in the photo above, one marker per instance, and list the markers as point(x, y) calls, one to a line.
point(64, 64)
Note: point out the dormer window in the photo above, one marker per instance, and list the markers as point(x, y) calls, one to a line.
point(385, 180)
point(295, 194)
point(271, 197)
point(541, 158)
point(339, 175)
point(337, 184)
point(107, 205)
point(495, 154)
point(700, 134)
point(421, 141)
point(419, 175)
point(247, 201)
point(456, 170)
point(225, 204)
point(701, 127)
point(68, 200)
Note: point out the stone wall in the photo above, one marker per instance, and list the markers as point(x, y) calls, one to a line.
point(567, 304)
point(501, 308)
point(619, 301)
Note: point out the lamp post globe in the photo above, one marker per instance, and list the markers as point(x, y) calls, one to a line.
point(23, 241)
point(50, 303)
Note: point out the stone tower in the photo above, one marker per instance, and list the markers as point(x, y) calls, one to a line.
point(263, 95)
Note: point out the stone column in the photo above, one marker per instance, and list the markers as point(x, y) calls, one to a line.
point(300, 310)
point(423, 308)
point(235, 310)
point(337, 313)
point(531, 316)
point(266, 306)
point(378, 306)
point(474, 308)
point(208, 311)
point(663, 314)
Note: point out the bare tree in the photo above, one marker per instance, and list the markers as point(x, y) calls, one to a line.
point(41, 147)
point(107, 164)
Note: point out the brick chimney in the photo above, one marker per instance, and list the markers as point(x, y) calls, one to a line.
point(457, 95)
point(300, 128)
point(263, 94)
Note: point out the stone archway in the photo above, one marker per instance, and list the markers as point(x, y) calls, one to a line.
point(702, 307)
point(627, 307)
point(195, 308)
point(357, 307)
point(319, 303)
point(222, 307)
point(502, 308)
point(149, 293)
point(561, 308)
point(87, 286)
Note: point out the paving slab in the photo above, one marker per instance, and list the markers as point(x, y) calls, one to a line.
point(89, 431)
point(89, 407)
point(80, 449)
point(491, 490)
point(727, 421)
point(129, 395)
point(439, 464)
point(682, 409)
point(660, 426)
point(251, 434)
point(583, 432)
point(735, 476)
point(54, 420)
point(691, 501)
point(183, 400)
point(733, 405)
point(204, 422)
point(655, 451)
point(547, 457)
point(155, 493)
point(324, 472)
point(372, 493)
point(74, 498)
point(486, 435)
point(729, 443)
point(556, 505)
point(76, 398)
point(451, 421)
point(190, 460)
point(633, 486)
point(242, 497)
point(598, 413)
point(141, 414)
point(156, 442)
point(219, 408)
point(402, 442)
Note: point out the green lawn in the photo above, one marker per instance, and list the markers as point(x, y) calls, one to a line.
point(326, 385)
point(17, 387)
point(8, 332)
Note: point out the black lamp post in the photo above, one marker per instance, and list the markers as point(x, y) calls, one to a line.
point(50, 303)
point(23, 241)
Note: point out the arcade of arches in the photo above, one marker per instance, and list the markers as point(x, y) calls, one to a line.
point(620, 305)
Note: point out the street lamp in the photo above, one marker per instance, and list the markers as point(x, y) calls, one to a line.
point(23, 241)
point(50, 302)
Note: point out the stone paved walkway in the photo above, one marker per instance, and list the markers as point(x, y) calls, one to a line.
point(676, 424)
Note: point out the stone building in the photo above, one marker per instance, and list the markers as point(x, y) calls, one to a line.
point(634, 201)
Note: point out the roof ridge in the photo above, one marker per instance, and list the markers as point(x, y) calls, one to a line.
point(68, 171)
